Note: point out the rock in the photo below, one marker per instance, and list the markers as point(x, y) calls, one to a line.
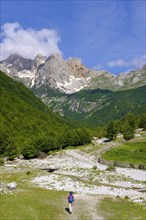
point(50, 170)
point(12, 185)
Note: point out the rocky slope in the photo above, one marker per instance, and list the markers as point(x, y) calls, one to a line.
point(22, 69)
point(53, 72)
point(68, 76)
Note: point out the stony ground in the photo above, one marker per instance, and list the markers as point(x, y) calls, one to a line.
point(80, 172)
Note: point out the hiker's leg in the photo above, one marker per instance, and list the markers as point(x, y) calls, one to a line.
point(70, 207)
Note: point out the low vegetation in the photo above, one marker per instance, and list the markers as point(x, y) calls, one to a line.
point(121, 209)
point(33, 204)
point(131, 152)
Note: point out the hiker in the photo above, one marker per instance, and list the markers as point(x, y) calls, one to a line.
point(70, 201)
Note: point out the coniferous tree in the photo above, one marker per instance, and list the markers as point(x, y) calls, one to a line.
point(111, 130)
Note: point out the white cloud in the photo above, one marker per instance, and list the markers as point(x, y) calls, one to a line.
point(28, 42)
point(135, 62)
point(97, 67)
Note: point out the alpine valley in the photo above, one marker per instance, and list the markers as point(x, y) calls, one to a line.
point(90, 97)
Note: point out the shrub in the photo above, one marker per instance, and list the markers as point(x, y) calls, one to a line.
point(41, 155)
point(30, 152)
point(141, 167)
point(111, 168)
point(1, 162)
point(128, 135)
point(111, 130)
point(128, 132)
point(94, 168)
point(11, 151)
point(28, 173)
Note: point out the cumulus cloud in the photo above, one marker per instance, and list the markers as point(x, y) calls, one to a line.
point(28, 42)
point(135, 62)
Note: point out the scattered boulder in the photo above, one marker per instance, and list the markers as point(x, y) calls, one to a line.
point(12, 185)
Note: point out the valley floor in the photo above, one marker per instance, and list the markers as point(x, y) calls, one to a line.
point(78, 170)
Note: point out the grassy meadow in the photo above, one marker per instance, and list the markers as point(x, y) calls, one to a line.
point(121, 209)
point(131, 152)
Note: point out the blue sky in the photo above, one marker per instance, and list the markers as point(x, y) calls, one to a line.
point(103, 34)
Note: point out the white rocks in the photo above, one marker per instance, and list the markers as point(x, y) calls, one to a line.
point(12, 185)
point(75, 167)
point(54, 182)
point(132, 173)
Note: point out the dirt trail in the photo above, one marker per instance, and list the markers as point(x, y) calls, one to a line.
point(85, 207)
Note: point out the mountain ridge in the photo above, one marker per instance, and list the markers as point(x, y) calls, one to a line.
point(78, 93)
point(68, 76)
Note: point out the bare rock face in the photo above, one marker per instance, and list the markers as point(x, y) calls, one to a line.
point(67, 76)
point(78, 69)
point(22, 69)
point(16, 63)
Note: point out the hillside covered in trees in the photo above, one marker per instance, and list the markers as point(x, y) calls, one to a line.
point(27, 126)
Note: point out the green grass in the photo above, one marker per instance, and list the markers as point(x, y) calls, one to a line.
point(121, 209)
point(131, 152)
point(28, 202)
point(32, 204)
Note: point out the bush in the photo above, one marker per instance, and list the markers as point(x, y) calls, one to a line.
point(30, 152)
point(111, 130)
point(11, 151)
point(128, 131)
point(111, 168)
point(41, 155)
point(128, 135)
point(94, 168)
point(1, 162)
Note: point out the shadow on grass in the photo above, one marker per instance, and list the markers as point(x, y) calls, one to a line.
point(67, 209)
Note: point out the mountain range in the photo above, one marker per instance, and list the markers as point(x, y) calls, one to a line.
point(67, 76)
point(77, 92)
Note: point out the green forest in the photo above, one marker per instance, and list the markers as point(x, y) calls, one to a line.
point(28, 127)
point(110, 105)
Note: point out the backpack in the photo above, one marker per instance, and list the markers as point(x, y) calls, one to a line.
point(70, 199)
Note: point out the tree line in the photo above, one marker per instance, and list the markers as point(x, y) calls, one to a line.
point(125, 126)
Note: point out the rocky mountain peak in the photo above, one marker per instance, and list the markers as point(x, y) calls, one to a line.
point(12, 58)
point(74, 63)
point(39, 60)
point(144, 67)
point(68, 76)
point(40, 57)
point(55, 56)
point(15, 63)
